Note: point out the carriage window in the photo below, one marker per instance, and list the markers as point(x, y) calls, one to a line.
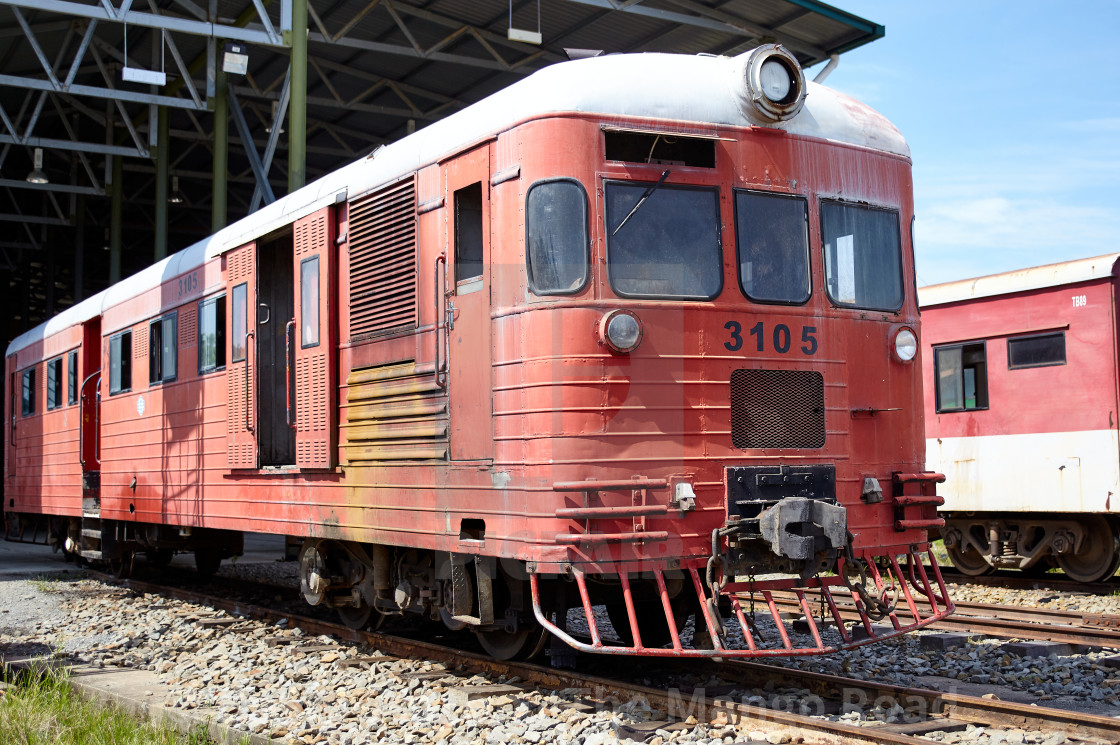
point(669, 246)
point(772, 231)
point(240, 322)
point(120, 363)
point(54, 384)
point(862, 256)
point(962, 377)
point(1036, 351)
point(28, 407)
point(162, 354)
point(212, 334)
point(72, 378)
point(556, 223)
point(309, 302)
point(468, 232)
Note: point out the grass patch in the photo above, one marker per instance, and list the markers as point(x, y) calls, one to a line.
point(42, 708)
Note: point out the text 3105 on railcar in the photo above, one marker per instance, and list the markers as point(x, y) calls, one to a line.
point(636, 332)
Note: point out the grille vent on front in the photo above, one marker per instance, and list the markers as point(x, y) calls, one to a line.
point(382, 237)
point(777, 409)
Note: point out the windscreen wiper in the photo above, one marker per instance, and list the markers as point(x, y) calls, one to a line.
point(641, 200)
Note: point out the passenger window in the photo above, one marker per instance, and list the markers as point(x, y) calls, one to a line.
point(468, 232)
point(212, 334)
point(772, 231)
point(309, 302)
point(1042, 350)
point(557, 237)
point(120, 363)
point(240, 321)
point(667, 246)
point(54, 384)
point(163, 349)
point(72, 378)
point(962, 377)
point(862, 256)
point(28, 407)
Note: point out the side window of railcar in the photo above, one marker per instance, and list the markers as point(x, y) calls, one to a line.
point(1040, 350)
point(772, 231)
point(28, 406)
point(163, 349)
point(468, 232)
point(862, 256)
point(72, 378)
point(665, 246)
point(557, 237)
point(962, 377)
point(54, 384)
point(212, 334)
point(120, 363)
point(309, 302)
point(240, 329)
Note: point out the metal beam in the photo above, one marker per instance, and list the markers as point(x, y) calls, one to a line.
point(62, 188)
point(33, 219)
point(149, 20)
point(250, 149)
point(88, 147)
point(297, 118)
point(115, 94)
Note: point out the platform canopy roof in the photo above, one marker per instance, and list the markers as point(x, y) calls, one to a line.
point(82, 79)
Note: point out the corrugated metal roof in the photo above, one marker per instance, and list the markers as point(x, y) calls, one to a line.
point(1020, 280)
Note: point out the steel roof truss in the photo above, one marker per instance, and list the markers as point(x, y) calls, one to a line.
point(273, 137)
point(250, 147)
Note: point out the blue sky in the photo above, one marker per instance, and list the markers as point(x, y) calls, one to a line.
point(1012, 112)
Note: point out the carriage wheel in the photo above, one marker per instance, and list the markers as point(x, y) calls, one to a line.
point(355, 618)
point(969, 561)
point(121, 567)
point(1098, 557)
point(652, 626)
point(160, 557)
point(207, 560)
point(523, 644)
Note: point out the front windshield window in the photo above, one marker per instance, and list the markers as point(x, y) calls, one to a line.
point(669, 247)
point(773, 235)
point(862, 256)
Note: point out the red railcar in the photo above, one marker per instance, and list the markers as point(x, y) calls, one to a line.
point(1022, 397)
point(637, 331)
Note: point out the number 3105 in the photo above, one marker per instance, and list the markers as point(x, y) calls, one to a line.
point(780, 337)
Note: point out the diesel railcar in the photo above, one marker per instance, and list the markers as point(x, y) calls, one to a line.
point(638, 332)
point(1023, 416)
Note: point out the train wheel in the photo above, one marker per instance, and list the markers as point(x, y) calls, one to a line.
point(1098, 558)
point(207, 561)
point(355, 618)
point(121, 567)
point(969, 562)
point(651, 622)
point(524, 644)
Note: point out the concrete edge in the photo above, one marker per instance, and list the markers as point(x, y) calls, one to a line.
point(127, 688)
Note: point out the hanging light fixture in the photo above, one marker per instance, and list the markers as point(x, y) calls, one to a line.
point(37, 176)
point(275, 106)
point(176, 196)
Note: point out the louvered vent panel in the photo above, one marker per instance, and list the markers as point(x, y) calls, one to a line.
point(188, 330)
point(140, 342)
point(382, 236)
point(394, 413)
point(311, 234)
point(777, 409)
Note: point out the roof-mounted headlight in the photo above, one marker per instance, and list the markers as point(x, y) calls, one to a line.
point(773, 84)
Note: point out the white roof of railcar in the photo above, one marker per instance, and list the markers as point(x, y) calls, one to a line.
point(1021, 280)
point(676, 88)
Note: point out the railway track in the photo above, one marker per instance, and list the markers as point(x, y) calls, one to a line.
point(919, 711)
point(1016, 581)
point(1005, 622)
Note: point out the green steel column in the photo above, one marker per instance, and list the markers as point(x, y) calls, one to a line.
point(221, 151)
point(115, 220)
point(163, 156)
point(297, 117)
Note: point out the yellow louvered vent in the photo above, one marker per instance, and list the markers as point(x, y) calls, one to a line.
point(393, 413)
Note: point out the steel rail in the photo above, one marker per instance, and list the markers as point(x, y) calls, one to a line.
point(940, 710)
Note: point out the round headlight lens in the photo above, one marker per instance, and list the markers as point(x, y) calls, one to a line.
point(623, 331)
point(905, 345)
point(775, 80)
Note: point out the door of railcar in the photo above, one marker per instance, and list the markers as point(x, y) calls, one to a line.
point(90, 400)
point(241, 413)
point(468, 340)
